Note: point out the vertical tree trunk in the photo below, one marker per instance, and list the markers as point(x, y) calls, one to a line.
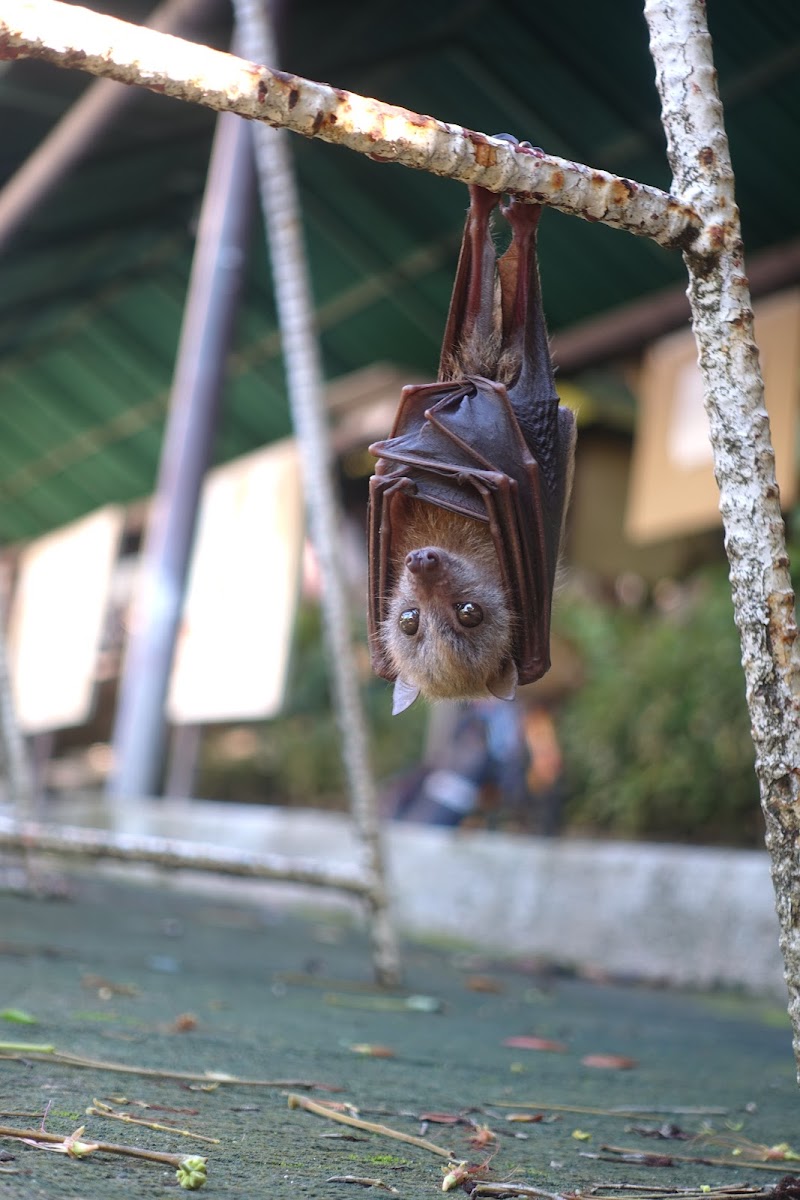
point(744, 460)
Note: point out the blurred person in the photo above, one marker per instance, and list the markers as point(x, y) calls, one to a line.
point(447, 785)
point(545, 769)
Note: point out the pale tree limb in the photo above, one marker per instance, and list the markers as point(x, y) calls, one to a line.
point(305, 387)
point(744, 460)
point(70, 36)
point(177, 855)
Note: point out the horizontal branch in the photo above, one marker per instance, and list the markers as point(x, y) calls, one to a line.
point(70, 36)
point(78, 842)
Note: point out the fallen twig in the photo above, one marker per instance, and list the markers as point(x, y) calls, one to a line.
point(191, 1169)
point(99, 1109)
point(322, 1110)
point(631, 1111)
point(487, 1188)
point(37, 1052)
point(739, 1145)
point(629, 1154)
point(743, 1191)
point(363, 1182)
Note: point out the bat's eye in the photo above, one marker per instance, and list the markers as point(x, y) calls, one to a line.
point(469, 614)
point(409, 621)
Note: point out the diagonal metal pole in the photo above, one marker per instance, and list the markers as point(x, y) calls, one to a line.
point(305, 386)
point(76, 132)
point(214, 287)
point(744, 460)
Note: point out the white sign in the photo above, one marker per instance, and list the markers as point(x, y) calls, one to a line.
point(56, 621)
point(233, 647)
point(688, 441)
point(672, 489)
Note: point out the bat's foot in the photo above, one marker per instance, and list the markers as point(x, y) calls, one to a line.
point(526, 146)
point(522, 217)
point(481, 204)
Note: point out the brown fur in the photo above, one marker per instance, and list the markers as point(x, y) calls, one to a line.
point(443, 659)
point(480, 355)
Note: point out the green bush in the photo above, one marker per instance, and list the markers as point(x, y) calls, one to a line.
point(657, 742)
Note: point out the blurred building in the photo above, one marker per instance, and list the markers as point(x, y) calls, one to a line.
point(96, 272)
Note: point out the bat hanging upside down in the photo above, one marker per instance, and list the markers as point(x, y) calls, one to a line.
point(468, 497)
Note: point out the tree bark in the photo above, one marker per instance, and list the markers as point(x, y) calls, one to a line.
point(744, 461)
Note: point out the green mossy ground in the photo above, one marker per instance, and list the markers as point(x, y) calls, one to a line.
point(108, 971)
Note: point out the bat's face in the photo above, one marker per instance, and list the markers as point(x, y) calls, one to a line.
point(448, 631)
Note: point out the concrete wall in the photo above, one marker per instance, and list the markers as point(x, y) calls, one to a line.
point(676, 914)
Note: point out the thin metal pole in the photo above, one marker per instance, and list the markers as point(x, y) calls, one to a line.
point(184, 751)
point(14, 758)
point(304, 379)
point(217, 273)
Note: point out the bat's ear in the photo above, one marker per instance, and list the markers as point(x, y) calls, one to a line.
point(404, 696)
point(504, 683)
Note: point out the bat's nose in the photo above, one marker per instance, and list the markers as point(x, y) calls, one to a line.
point(425, 562)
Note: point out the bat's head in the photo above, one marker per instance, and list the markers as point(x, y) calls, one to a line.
point(449, 628)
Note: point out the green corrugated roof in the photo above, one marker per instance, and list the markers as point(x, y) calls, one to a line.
point(93, 288)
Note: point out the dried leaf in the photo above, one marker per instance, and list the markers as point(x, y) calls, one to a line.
point(184, 1023)
point(667, 1131)
point(482, 1137)
point(484, 983)
point(523, 1042)
point(609, 1062)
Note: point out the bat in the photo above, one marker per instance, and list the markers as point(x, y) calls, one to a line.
point(469, 493)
